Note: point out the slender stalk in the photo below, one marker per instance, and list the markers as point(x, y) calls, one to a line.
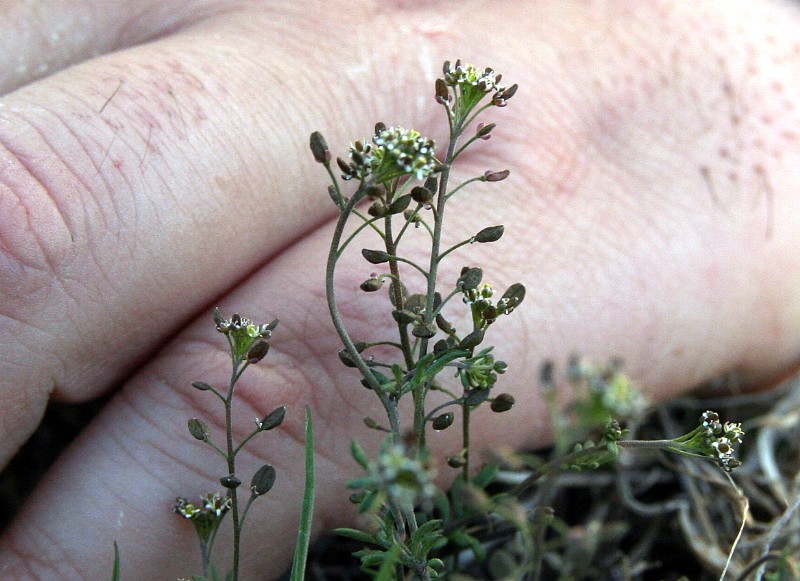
point(465, 441)
point(232, 494)
point(336, 317)
point(420, 394)
point(367, 223)
point(391, 249)
point(455, 247)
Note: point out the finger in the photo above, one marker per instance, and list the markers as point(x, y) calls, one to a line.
point(141, 185)
point(583, 293)
point(42, 38)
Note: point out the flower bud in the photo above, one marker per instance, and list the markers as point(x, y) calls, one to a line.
point(432, 183)
point(421, 195)
point(490, 234)
point(201, 385)
point(319, 149)
point(198, 430)
point(470, 278)
point(219, 320)
point(273, 419)
point(424, 331)
point(372, 284)
point(373, 425)
point(496, 176)
point(443, 421)
point(257, 352)
point(263, 480)
point(455, 461)
point(484, 130)
point(502, 403)
point(472, 340)
point(358, 497)
point(347, 171)
point(230, 481)
point(375, 256)
point(400, 204)
point(440, 347)
point(442, 93)
point(512, 298)
point(346, 358)
point(378, 209)
point(476, 396)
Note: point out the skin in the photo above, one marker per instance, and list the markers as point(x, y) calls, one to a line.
point(149, 176)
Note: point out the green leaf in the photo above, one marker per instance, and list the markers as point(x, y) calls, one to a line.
point(359, 455)
point(386, 572)
point(426, 538)
point(371, 557)
point(485, 476)
point(463, 539)
point(442, 504)
point(429, 366)
point(368, 502)
point(361, 482)
point(357, 535)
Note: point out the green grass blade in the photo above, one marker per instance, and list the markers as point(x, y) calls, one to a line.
point(116, 575)
point(304, 534)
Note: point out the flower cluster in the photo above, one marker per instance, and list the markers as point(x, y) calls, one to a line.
point(720, 438)
point(465, 74)
point(247, 339)
point(609, 392)
point(484, 311)
point(403, 479)
point(481, 370)
point(472, 84)
point(711, 439)
point(395, 152)
point(206, 516)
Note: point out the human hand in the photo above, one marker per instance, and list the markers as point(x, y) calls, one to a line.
point(652, 214)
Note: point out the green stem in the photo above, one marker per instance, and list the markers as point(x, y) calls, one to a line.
point(456, 247)
point(394, 259)
point(464, 184)
point(307, 515)
point(232, 494)
point(421, 393)
point(335, 182)
point(408, 221)
point(247, 439)
point(361, 227)
point(246, 509)
point(465, 441)
point(336, 317)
